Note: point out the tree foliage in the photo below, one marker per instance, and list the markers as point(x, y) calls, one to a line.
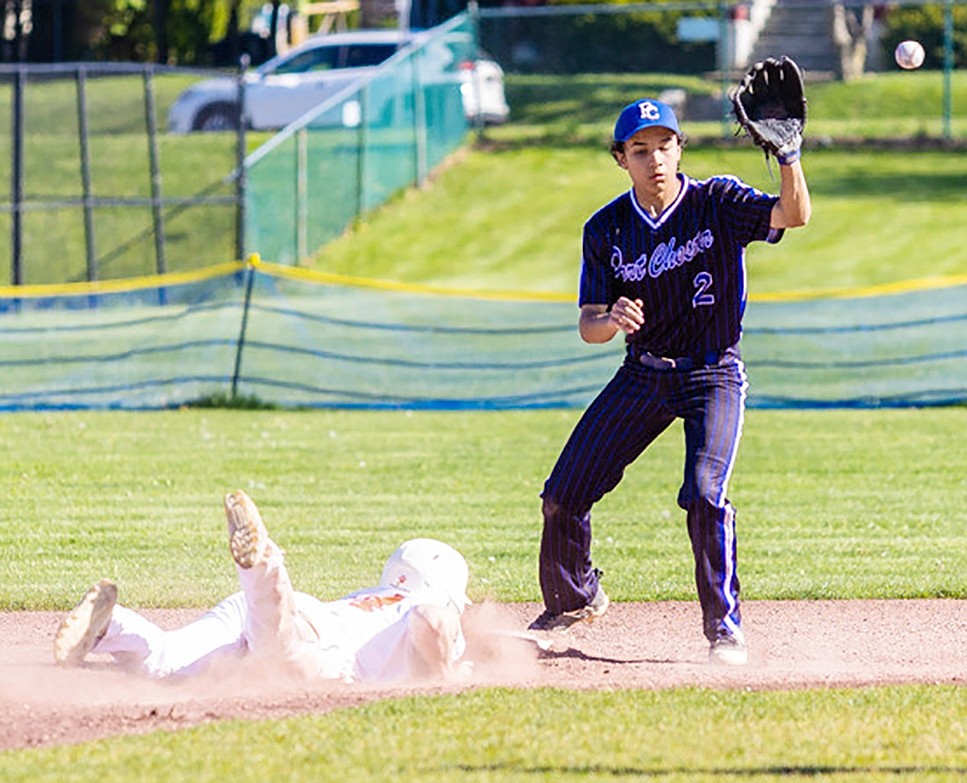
point(926, 24)
point(173, 31)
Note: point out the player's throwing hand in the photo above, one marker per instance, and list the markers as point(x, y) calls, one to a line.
point(627, 314)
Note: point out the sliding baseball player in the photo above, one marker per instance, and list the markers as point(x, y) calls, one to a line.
point(406, 627)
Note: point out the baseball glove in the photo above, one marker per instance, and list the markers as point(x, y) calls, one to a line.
point(770, 105)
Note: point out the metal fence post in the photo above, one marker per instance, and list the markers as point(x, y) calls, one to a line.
point(948, 67)
point(361, 151)
point(153, 160)
point(250, 268)
point(723, 52)
point(240, 173)
point(419, 120)
point(473, 17)
point(88, 195)
point(302, 194)
point(17, 178)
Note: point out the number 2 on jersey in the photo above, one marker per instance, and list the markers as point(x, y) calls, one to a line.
point(703, 297)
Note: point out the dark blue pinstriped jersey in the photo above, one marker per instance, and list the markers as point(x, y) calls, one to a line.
point(687, 266)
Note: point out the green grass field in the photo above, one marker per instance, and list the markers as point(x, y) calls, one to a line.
point(508, 214)
point(511, 219)
point(834, 736)
point(832, 504)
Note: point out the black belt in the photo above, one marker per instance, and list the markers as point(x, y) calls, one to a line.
point(677, 363)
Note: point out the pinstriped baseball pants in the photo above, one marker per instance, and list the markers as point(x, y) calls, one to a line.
point(636, 406)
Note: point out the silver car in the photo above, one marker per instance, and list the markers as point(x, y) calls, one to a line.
point(286, 87)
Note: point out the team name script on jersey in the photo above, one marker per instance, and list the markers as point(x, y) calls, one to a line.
point(372, 603)
point(664, 257)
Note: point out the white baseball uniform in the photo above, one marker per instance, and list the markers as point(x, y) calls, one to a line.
point(381, 634)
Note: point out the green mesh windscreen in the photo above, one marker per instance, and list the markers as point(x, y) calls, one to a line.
point(908, 348)
point(299, 338)
point(354, 151)
point(140, 344)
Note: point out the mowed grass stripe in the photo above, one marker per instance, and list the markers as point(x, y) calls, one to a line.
point(910, 733)
point(832, 504)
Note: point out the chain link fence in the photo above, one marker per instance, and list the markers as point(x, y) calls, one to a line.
point(359, 147)
point(108, 179)
point(100, 189)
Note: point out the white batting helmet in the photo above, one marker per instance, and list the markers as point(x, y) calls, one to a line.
point(431, 567)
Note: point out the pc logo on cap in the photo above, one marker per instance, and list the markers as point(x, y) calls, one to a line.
point(644, 113)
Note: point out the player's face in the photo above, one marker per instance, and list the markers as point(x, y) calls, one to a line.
point(651, 158)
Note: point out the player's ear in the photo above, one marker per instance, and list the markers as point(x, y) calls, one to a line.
point(618, 153)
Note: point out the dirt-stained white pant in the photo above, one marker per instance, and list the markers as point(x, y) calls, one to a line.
point(269, 621)
point(262, 620)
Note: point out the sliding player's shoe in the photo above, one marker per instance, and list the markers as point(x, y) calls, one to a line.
point(248, 539)
point(86, 624)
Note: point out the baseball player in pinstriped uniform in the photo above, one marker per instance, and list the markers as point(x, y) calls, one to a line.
point(406, 627)
point(664, 265)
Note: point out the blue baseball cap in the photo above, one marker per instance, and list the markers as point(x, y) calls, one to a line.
point(644, 113)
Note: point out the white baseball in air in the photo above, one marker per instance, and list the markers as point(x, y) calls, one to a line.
point(909, 55)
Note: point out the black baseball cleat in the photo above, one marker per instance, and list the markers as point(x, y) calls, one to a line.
point(549, 621)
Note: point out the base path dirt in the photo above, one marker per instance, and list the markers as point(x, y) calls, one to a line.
point(793, 644)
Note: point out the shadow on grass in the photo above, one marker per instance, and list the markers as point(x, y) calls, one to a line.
point(237, 402)
point(572, 652)
point(790, 771)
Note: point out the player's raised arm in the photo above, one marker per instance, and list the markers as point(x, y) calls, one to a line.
point(770, 105)
point(794, 206)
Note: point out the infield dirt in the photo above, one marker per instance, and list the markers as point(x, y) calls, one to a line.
point(793, 644)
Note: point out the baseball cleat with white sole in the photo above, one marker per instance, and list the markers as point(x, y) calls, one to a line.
point(248, 538)
point(86, 624)
point(729, 649)
point(549, 621)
